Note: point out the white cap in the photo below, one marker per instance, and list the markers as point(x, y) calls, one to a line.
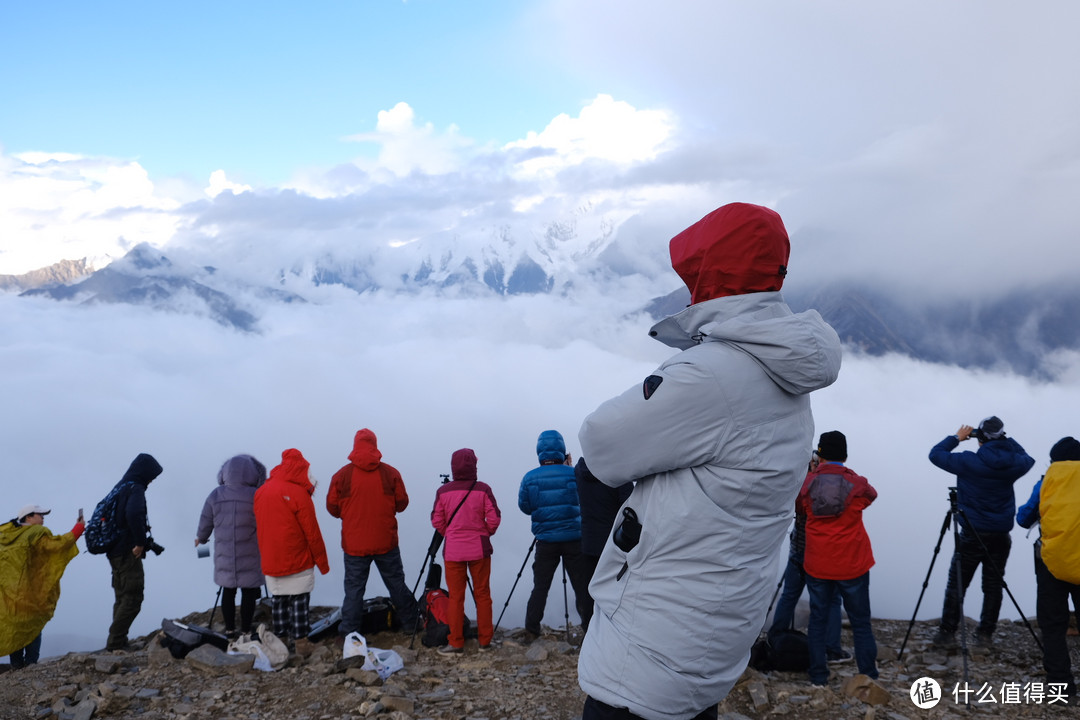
point(30, 510)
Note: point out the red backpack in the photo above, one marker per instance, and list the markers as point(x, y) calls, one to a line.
point(435, 612)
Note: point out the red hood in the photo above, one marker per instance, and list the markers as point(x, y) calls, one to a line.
point(365, 453)
point(734, 250)
point(293, 469)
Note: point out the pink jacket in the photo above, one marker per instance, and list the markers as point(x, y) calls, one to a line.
point(467, 534)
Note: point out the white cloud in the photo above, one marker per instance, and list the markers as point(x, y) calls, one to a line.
point(405, 147)
point(219, 184)
point(607, 130)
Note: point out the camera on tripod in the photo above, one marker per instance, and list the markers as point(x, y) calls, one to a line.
point(445, 478)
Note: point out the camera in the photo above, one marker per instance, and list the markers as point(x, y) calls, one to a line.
point(153, 546)
point(628, 534)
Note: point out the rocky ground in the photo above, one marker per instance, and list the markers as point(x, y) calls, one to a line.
point(517, 681)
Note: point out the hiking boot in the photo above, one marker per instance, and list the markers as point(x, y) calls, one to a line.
point(984, 639)
point(304, 647)
point(529, 637)
point(944, 639)
point(450, 650)
point(837, 656)
point(484, 648)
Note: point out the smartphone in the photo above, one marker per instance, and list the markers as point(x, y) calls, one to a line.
point(80, 515)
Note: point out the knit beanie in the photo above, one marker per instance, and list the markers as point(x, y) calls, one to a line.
point(1067, 448)
point(991, 429)
point(832, 446)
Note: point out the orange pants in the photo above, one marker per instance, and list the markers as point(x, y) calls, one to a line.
point(480, 570)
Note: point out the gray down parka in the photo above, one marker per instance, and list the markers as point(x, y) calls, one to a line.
point(228, 514)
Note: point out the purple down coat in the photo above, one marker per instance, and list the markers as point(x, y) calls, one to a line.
point(228, 513)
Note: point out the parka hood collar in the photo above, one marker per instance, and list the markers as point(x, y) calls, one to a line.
point(365, 454)
point(801, 353)
point(242, 471)
point(551, 446)
point(293, 469)
point(463, 464)
point(143, 469)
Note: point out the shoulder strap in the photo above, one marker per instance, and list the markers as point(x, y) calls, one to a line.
point(463, 499)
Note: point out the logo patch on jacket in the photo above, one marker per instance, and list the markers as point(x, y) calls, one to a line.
point(651, 383)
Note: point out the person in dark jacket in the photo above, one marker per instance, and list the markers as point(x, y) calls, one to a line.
point(126, 556)
point(367, 494)
point(984, 491)
point(549, 495)
point(599, 507)
point(229, 512)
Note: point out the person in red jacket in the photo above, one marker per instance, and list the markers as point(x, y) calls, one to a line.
point(467, 515)
point(366, 495)
point(838, 557)
point(291, 546)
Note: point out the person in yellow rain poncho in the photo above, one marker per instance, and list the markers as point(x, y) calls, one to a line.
point(32, 560)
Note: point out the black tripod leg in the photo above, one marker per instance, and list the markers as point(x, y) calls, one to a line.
point(1004, 585)
point(507, 603)
point(210, 625)
point(565, 602)
point(925, 582)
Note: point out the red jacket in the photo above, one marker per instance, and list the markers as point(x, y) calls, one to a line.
point(367, 494)
point(285, 522)
point(837, 546)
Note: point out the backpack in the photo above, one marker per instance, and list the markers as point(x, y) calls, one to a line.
point(181, 638)
point(103, 532)
point(435, 615)
point(1059, 520)
point(379, 614)
point(828, 494)
point(789, 652)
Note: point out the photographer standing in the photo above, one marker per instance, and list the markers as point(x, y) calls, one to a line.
point(127, 554)
point(984, 485)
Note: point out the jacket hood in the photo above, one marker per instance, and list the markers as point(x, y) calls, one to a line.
point(550, 446)
point(463, 464)
point(242, 471)
point(143, 469)
point(801, 353)
point(365, 453)
point(293, 469)
point(736, 249)
point(1006, 455)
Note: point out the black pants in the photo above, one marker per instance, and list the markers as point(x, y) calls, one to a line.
point(1052, 611)
point(248, 599)
point(545, 562)
point(127, 583)
point(969, 554)
point(596, 710)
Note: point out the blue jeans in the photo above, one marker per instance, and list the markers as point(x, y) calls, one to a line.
point(27, 655)
point(856, 596)
point(784, 617)
point(357, 568)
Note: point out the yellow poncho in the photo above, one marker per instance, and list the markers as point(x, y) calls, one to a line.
point(32, 560)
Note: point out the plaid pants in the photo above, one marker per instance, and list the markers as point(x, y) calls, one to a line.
point(291, 612)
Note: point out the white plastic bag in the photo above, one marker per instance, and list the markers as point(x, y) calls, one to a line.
point(270, 653)
point(384, 662)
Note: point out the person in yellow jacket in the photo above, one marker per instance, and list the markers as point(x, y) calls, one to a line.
point(32, 560)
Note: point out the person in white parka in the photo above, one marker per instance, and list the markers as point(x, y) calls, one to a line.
point(717, 441)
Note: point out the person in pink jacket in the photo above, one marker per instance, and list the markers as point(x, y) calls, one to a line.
point(467, 515)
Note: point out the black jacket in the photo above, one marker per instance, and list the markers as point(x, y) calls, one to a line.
point(132, 517)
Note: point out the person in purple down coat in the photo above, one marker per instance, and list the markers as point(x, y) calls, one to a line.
point(228, 511)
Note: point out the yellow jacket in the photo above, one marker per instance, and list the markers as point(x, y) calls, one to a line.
point(32, 560)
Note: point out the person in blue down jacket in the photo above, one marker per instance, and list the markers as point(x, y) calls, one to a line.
point(984, 495)
point(228, 512)
point(549, 495)
point(717, 439)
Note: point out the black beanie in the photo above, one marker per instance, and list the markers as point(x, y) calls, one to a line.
point(832, 446)
point(1067, 448)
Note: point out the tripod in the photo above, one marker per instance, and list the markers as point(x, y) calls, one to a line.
point(507, 603)
point(953, 516)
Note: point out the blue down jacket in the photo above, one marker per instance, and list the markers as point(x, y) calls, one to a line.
point(549, 493)
point(719, 451)
point(984, 480)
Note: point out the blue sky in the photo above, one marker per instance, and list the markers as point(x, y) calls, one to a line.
point(263, 88)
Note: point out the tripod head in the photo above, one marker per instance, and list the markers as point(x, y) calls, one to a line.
point(445, 478)
point(954, 506)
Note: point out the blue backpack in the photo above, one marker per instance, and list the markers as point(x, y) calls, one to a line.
point(103, 532)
